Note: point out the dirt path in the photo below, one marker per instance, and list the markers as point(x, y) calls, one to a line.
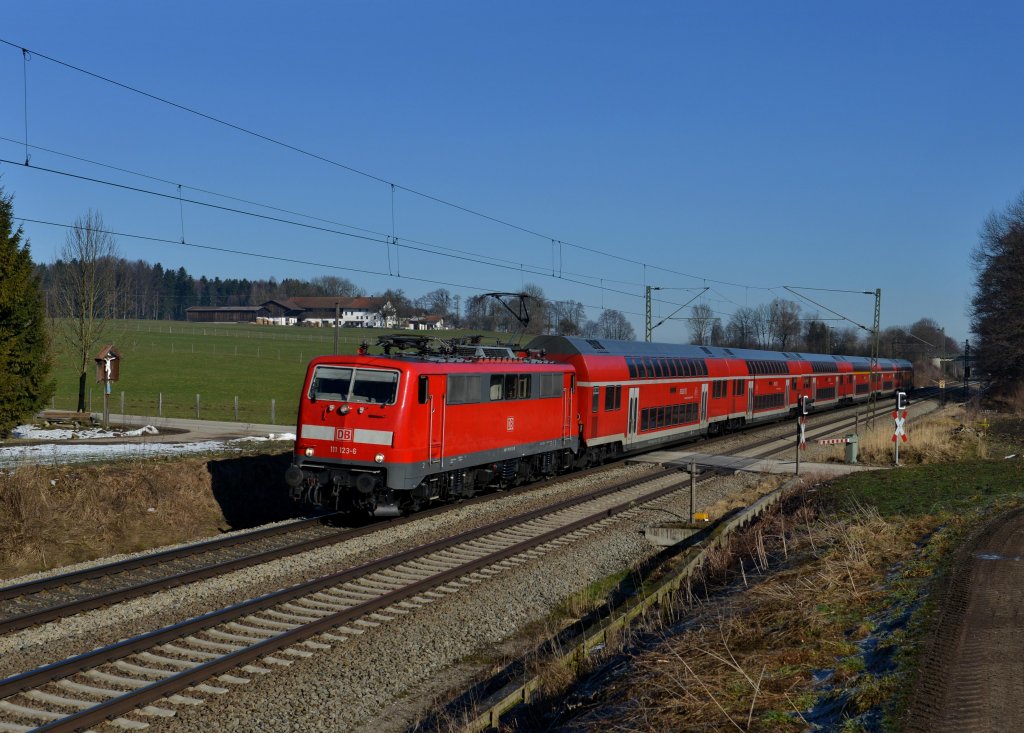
point(972, 676)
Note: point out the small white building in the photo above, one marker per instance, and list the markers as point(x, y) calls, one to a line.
point(426, 323)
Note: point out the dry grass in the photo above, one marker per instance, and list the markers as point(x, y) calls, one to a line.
point(950, 434)
point(744, 661)
point(59, 515)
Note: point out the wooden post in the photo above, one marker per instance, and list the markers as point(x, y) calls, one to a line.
point(236, 408)
point(337, 317)
point(273, 411)
point(197, 407)
point(160, 404)
point(122, 410)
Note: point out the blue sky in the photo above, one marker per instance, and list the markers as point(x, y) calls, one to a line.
point(742, 146)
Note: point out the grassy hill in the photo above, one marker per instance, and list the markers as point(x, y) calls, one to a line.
point(217, 361)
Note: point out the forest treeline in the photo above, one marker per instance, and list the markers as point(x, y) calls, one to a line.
point(147, 291)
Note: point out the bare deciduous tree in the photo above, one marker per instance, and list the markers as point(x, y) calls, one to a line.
point(334, 285)
point(568, 317)
point(739, 332)
point(702, 324)
point(612, 324)
point(784, 320)
point(86, 295)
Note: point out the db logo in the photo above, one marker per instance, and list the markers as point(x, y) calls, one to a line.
point(345, 434)
point(510, 424)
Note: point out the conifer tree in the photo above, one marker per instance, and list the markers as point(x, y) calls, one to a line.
point(25, 362)
point(997, 312)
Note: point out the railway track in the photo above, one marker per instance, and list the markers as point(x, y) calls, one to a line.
point(58, 596)
point(273, 629)
point(36, 602)
point(277, 628)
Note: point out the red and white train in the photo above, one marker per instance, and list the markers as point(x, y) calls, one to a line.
point(390, 433)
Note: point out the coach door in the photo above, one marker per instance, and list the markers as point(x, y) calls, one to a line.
point(567, 424)
point(435, 427)
point(750, 398)
point(631, 418)
point(704, 404)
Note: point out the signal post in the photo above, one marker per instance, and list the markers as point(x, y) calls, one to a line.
point(801, 428)
point(899, 415)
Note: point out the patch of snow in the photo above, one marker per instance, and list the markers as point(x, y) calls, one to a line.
point(31, 432)
point(272, 436)
point(73, 452)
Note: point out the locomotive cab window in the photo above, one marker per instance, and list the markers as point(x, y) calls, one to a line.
point(374, 386)
point(330, 383)
point(344, 384)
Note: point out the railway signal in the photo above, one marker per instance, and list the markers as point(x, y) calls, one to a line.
point(899, 416)
point(803, 401)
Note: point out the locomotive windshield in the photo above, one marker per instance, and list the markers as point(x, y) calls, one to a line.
point(345, 384)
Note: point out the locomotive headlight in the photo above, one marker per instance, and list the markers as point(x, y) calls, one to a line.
point(379, 458)
point(309, 451)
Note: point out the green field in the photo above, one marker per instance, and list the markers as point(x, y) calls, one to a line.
point(262, 366)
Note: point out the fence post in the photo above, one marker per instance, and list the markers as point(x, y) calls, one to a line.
point(122, 410)
point(236, 408)
point(90, 399)
point(273, 411)
point(197, 406)
point(160, 404)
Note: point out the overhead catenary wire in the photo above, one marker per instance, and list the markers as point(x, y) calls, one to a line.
point(324, 159)
point(383, 237)
point(297, 261)
point(385, 240)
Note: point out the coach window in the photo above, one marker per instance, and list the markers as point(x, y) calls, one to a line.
point(631, 364)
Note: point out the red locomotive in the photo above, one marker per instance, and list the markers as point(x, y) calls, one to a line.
point(388, 434)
